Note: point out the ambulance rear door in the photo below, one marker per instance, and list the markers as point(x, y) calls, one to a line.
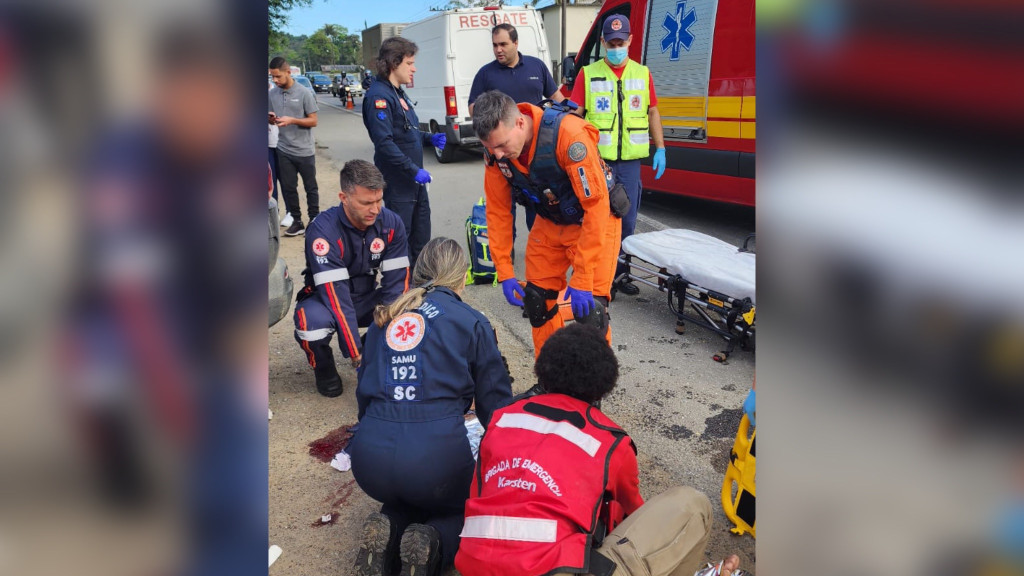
point(677, 49)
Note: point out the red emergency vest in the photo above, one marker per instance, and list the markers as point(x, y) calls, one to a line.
point(538, 488)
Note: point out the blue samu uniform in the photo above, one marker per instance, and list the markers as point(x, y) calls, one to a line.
point(398, 145)
point(418, 378)
point(341, 290)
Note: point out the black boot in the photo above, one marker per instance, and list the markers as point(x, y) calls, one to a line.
point(378, 554)
point(328, 382)
point(421, 551)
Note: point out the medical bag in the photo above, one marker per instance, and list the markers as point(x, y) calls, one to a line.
point(481, 266)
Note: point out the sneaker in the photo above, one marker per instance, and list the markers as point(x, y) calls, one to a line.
point(627, 287)
point(376, 555)
point(420, 551)
point(287, 220)
point(295, 229)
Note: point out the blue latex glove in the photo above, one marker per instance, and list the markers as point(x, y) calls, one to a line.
point(658, 164)
point(512, 291)
point(438, 140)
point(750, 406)
point(422, 177)
point(582, 302)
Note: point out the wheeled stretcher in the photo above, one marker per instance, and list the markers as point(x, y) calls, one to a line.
point(714, 277)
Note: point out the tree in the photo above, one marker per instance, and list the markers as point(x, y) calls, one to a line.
point(350, 46)
point(277, 13)
point(460, 4)
point(277, 19)
point(320, 50)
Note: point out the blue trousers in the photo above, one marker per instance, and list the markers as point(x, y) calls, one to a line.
point(315, 324)
point(412, 205)
point(419, 471)
point(628, 173)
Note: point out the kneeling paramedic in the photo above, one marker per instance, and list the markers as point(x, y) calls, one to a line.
point(547, 159)
point(556, 488)
point(346, 246)
point(428, 357)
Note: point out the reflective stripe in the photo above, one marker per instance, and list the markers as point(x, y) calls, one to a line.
point(394, 264)
point(640, 138)
point(634, 84)
point(510, 528)
point(601, 86)
point(604, 139)
point(330, 276)
point(567, 431)
point(313, 335)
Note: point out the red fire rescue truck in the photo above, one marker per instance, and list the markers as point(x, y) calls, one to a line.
point(701, 57)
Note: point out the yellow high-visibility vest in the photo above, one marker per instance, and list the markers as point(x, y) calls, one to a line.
point(618, 108)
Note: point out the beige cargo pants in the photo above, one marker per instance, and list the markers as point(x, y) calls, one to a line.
point(664, 537)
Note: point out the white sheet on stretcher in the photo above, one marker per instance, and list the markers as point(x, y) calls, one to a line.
point(701, 259)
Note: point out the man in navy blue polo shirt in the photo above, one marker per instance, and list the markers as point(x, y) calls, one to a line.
point(523, 78)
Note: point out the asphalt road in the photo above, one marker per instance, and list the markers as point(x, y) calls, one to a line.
point(681, 407)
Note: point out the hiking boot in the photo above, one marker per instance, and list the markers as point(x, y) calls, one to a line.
point(420, 551)
point(376, 555)
point(627, 287)
point(295, 229)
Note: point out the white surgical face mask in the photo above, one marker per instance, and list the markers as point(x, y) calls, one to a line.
point(618, 55)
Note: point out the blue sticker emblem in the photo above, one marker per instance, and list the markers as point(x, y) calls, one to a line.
point(381, 115)
point(677, 30)
point(604, 104)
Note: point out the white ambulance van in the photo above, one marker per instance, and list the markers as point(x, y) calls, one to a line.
point(453, 45)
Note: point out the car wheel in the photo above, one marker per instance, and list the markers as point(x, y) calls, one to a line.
point(448, 154)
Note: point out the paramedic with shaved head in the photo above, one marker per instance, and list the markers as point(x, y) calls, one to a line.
point(547, 159)
point(521, 76)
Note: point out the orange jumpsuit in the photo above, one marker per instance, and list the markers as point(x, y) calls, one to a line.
point(591, 248)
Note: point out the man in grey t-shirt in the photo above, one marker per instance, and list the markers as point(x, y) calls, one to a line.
point(294, 110)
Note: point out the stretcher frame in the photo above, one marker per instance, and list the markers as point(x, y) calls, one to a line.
point(731, 318)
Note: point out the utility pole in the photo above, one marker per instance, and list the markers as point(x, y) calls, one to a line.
point(561, 39)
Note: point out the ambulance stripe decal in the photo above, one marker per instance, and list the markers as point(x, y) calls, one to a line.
point(566, 431)
point(510, 528)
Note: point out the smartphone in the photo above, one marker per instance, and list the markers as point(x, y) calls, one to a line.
point(271, 118)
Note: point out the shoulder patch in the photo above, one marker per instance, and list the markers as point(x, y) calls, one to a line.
point(577, 151)
point(380, 103)
point(381, 115)
point(321, 247)
point(505, 170)
point(405, 332)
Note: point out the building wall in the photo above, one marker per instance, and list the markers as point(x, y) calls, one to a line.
point(374, 36)
point(578, 20)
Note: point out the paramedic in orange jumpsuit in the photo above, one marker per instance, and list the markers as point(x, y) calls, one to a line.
point(549, 160)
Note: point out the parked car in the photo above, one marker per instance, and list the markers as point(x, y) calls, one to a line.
point(305, 82)
point(321, 83)
point(280, 284)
